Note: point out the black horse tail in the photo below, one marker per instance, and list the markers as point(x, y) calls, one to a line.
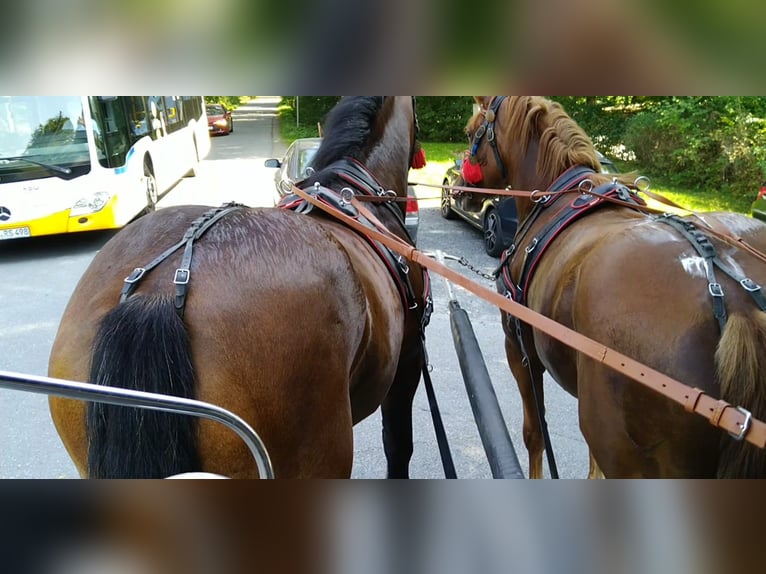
point(142, 344)
point(742, 375)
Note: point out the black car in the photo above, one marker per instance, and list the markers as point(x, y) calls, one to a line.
point(494, 215)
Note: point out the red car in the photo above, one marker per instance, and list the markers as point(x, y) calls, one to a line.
point(219, 120)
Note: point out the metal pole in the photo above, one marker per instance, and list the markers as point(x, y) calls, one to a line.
point(498, 446)
point(493, 430)
point(297, 112)
point(143, 400)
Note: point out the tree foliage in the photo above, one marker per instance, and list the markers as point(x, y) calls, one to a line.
point(696, 142)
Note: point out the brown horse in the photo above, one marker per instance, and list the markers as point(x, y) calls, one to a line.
point(289, 319)
point(632, 281)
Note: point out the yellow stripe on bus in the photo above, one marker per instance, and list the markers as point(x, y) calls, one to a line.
point(61, 222)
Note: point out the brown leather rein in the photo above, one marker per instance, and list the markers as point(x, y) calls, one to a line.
point(718, 233)
point(737, 421)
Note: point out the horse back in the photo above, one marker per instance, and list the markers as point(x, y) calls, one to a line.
point(640, 288)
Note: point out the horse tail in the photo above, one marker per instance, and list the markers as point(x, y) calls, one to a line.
point(743, 383)
point(142, 344)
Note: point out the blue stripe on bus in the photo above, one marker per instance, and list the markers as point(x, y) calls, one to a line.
point(124, 168)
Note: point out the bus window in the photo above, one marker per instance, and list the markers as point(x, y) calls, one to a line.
point(110, 120)
point(172, 114)
point(138, 116)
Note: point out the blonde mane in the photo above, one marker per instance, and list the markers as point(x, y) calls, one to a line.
point(562, 142)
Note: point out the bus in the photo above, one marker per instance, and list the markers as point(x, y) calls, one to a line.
point(80, 163)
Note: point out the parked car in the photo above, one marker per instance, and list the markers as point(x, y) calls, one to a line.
point(219, 120)
point(299, 155)
point(759, 205)
point(494, 215)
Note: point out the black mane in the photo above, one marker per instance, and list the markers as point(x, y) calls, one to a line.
point(348, 128)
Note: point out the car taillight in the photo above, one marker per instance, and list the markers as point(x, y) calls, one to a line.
point(412, 205)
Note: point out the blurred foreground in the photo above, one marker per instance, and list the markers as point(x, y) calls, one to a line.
point(375, 527)
point(301, 47)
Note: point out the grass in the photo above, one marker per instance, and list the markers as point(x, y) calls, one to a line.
point(707, 200)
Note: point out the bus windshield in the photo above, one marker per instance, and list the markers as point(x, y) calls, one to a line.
point(40, 132)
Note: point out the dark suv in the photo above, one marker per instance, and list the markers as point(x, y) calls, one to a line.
point(494, 215)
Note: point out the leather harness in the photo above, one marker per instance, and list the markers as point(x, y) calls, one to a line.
point(361, 180)
point(567, 214)
point(587, 203)
point(350, 171)
point(183, 274)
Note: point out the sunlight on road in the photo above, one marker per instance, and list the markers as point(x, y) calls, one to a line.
point(220, 181)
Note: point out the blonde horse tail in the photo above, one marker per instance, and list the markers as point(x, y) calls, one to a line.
point(743, 384)
point(142, 344)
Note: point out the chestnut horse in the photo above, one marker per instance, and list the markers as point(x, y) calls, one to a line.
point(634, 282)
point(288, 318)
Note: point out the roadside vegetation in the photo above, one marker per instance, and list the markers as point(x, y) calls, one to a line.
point(706, 153)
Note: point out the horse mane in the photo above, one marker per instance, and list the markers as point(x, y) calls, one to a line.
point(352, 128)
point(562, 142)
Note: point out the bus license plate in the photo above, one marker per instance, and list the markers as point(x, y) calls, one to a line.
point(14, 232)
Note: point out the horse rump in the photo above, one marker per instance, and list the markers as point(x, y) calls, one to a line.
point(143, 345)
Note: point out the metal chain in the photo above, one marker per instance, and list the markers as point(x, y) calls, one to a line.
point(467, 264)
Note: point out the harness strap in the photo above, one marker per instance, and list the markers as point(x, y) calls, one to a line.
point(183, 274)
point(488, 129)
point(566, 215)
point(705, 248)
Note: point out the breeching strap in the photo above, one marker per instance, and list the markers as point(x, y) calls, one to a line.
point(733, 419)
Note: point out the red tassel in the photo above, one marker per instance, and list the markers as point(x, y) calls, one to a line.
point(471, 172)
point(419, 159)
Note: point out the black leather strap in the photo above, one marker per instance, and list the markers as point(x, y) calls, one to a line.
point(183, 274)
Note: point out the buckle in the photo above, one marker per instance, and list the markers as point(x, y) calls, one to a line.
point(745, 426)
point(531, 247)
point(136, 275)
point(181, 277)
point(715, 290)
point(750, 285)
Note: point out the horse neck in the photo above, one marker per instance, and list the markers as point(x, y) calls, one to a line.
point(525, 177)
point(389, 158)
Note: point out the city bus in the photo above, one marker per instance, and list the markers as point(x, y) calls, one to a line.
point(79, 163)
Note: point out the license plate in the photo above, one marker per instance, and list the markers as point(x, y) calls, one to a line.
point(14, 232)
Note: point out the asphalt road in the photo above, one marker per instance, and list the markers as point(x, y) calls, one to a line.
point(37, 277)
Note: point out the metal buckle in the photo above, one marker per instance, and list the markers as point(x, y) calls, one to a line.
point(749, 285)
point(346, 195)
point(402, 261)
point(136, 275)
point(181, 277)
point(585, 186)
point(744, 427)
point(715, 289)
point(532, 246)
point(533, 197)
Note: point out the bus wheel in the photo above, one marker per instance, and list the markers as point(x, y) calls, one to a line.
point(151, 189)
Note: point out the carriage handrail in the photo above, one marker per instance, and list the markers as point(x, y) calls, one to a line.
point(734, 419)
point(144, 400)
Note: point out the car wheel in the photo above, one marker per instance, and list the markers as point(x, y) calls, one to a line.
point(152, 193)
point(493, 236)
point(231, 127)
point(446, 207)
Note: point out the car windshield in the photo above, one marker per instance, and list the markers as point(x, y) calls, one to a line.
point(304, 160)
point(214, 110)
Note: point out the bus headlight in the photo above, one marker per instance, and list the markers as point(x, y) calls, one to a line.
point(90, 204)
